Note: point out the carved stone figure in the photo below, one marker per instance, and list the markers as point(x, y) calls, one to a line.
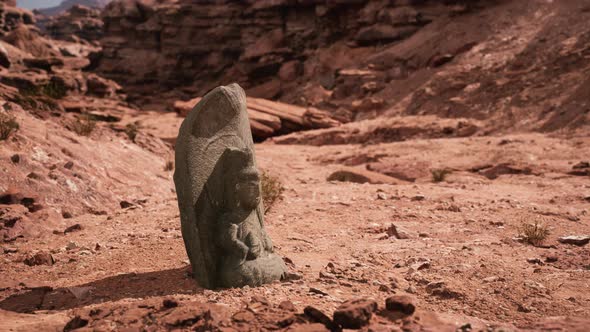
point(218, 188)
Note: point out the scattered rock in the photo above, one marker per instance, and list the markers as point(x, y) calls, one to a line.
point(15, 158)
point(384, 288)
point(15, 196)
point(169, 303)
point(501, 169)
point(75, 323)
point(441, 59)
point(243, 316)
point(551, 259)
point(290, 276)
point(8, 250)
point(580, 169)
point(394, 231)
point(71, 246)
point(260, 299)
point(578, 240)
point(35, 176)
point(441, 290)
point(355, 314)
point(287, 305)
point(317, 291)
point(316, 316)
point(421, 264)
point(523, 308)
point(73, 228)
point(40, 258)
point(535, 261)
point(490, 279)
point(126, 204)
point(358, 175)
point(287, 320)
point(418, 198)
point(404, 304)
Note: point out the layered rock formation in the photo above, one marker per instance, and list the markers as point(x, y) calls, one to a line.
point(78, 23)
point(57, 114)
point(269, 47)
point(11, 17)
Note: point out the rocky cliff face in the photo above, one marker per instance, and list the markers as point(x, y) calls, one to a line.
point(308, 52)
point(79, 23)
point(11, 17)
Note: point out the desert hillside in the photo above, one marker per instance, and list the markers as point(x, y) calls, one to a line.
point(425, 163)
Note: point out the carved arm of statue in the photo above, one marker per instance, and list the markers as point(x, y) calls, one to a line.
point(230, 243)
point(256, 248)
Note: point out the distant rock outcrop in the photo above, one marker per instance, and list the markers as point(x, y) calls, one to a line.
point(67, 4)
point(78, 24)
point(272, 48)
point(12, 17)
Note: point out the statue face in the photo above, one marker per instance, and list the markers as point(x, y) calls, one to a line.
point(248, 192)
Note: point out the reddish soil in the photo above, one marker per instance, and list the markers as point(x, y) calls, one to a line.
point(461, 258)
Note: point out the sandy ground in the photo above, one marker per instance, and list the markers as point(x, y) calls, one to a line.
point(461, 258)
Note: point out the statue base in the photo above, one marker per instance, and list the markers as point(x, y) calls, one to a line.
point(254, 272)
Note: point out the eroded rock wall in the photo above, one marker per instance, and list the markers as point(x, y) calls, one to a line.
point(269, 47)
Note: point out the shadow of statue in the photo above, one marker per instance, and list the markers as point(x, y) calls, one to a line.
point(113, 288)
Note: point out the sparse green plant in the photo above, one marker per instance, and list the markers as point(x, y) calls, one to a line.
point(272, 189)
point(131, 130)
point(25, 101)
point(53, 90)
point(39, 98)
point(169, 166)
point(84, 125)
point(439, 174)
point(8, 125)
point(533, 233)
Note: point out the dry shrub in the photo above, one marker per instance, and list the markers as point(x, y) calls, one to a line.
point(8, 125)
point(53, 89)
point(533, 233)
point(84, 125)
point(439, 175)
point(131, 129)
point(272, 189)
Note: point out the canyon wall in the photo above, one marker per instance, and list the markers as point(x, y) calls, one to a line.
point(304, 51)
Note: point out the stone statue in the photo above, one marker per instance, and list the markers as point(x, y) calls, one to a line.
point(218, 188)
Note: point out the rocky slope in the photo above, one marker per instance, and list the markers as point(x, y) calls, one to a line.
point(514, 63)
point(288, 49)
point(65, 154)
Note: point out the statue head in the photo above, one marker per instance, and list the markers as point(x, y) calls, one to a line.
point(243, 178)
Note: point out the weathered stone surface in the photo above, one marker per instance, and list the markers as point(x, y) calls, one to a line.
point(401, 303)
point(268, 118)
point(578, 240)
point(218, 190)
point(355, 314)
point(40, 258)
point(77, 22)
point(358, 175)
